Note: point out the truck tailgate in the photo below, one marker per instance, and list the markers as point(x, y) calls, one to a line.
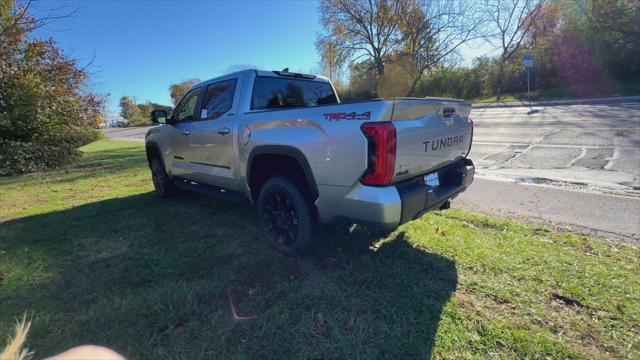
point(430, 133)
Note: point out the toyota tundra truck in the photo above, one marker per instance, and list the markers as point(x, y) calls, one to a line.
point(285, 142)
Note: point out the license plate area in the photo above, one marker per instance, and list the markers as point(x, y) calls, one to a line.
point(432, 179)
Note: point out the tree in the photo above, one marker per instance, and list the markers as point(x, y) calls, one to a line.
point(584, 44)
point(359, 28)
point(178, 90)
point(415, 35)
point(148, 107)
point(610, 29)
point(331, 60)
point(128, 108)
point(15, 21)
point(511, 21)
point(434, 30)
point(363, 82)
point(46, 111)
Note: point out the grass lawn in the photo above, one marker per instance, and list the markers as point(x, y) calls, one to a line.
point(92, 256)
point(620, 88)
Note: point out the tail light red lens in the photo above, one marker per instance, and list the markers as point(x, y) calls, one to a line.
point(381, 138)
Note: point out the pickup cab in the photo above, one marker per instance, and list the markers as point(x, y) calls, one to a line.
point(284, 142)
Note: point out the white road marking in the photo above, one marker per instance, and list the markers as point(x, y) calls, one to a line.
point(584, 152)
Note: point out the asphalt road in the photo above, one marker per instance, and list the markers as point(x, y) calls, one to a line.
point(610, 216)
point(128, 134)
point(577, 165)
point(592, 147)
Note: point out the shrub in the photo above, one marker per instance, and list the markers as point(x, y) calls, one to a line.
point(140, 121)
point(45, 111)
point(17, 157)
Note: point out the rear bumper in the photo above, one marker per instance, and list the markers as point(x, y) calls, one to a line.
point(418, 198)
point(390, 206)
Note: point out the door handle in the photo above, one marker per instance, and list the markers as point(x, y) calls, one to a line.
point(223, 131)
point(185, 132)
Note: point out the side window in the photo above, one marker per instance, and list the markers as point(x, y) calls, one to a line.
point(218, 99)
point(186, 109)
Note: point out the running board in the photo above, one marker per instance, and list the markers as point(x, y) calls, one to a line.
point(210, 190)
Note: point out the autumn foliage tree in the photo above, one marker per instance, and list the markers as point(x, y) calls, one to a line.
point(46, 113)
point(128, 108)
point(178, 90)
point(586, 44)
point(408, 36)
point(139, 114)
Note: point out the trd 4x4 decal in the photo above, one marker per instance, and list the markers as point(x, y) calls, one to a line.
point(337, 116)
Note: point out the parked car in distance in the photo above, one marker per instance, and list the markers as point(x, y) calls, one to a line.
point(284, 142)
point(117, 122)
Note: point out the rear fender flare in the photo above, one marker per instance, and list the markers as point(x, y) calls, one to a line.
point(287, 151)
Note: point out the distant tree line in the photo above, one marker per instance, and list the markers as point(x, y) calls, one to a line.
point(46, 109)
point(384, 48)
point(140, 114)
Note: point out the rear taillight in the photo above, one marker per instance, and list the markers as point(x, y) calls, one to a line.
point(381, 153)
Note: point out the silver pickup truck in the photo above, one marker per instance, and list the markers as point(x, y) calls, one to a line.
point(284, 141)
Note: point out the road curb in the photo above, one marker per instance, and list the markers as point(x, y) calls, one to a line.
point(605, 100)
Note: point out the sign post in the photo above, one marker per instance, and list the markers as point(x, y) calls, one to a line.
point(528, 63)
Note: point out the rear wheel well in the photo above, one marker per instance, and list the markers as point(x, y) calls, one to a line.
point(265, 166)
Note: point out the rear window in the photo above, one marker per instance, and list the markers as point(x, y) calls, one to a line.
point(278, 93)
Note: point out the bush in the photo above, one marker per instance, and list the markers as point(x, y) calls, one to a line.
point(45, 111)
point(140, 121)
point(476, 81)
point(17, 157)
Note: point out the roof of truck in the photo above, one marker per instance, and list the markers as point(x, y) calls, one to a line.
point(271, 73)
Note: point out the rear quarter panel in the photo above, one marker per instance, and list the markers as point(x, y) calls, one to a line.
point(334, 145)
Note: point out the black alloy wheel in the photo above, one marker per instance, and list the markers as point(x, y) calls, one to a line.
point(285, 217)
point(280, 218)
point(161, 182)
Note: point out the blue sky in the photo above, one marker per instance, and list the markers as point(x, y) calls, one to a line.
point(141, 47)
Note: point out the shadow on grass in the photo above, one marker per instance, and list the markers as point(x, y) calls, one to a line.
point(155, 279)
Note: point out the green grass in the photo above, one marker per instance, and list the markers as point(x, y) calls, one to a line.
point(92, 256)
point(620, 88)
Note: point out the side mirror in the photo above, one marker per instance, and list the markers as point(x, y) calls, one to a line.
point(159, 117)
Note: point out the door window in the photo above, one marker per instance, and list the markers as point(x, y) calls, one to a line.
point(186, 109)
point(218, 99)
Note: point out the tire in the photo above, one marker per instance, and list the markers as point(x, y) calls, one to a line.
point(161, 182)
point(286, 217)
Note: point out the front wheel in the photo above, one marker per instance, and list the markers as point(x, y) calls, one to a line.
point(161, 182)
point(285, 216)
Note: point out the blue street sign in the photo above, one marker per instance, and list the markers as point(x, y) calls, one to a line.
point(528, 61)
